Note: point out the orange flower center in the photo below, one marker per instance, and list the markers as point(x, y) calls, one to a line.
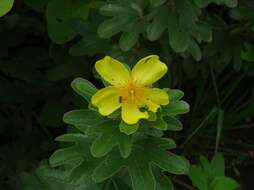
point(132, 92)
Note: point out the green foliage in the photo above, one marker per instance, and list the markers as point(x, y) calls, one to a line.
point(5, 7)
point(96, 146)
point(138, 164)
point(59, 18)
point(208, 46)
point(211, 176)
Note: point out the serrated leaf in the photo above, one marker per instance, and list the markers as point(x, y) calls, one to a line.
point(139, 164)
point(83, 118)
point(84, 88)
point(109, 137)
point(223, 183)
point(5, 6)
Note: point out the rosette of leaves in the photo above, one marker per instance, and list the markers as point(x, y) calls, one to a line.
point(129, 156)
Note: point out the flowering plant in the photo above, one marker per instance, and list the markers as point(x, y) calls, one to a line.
point(130, 144)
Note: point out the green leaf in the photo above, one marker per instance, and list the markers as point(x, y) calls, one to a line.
point(77, 161)
point(128, 129)
point(178, 38)
point(206, 166)
point(223, 183)
point(218, 166)
point(112, 9)
point(202, 3)
point(84, 88)
point(203, 32)
point(90, 45)
point(159, 123)
point(175, 108)
point(175, 95)
point(248, 53)
point(5, 6)
point(158, 25)
point(146, 152)
point(231, 3)
point(194, 50)
point(109, 28)
point(109, 137)
point(157, 3)
point(128, 40)
point(83, 118)
point(59, 14)
point(65, 156)
point(173, 124)
point(71, 154)
point(163, 182)
point(198, 177)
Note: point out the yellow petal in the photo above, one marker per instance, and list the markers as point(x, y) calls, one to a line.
point(112, 71)
point(107, 100)
point(155, 97)
point(131, 114)
point(148, 70)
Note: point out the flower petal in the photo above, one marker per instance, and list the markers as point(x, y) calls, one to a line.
point(148, 70)
point(112, 71)
point(154, 97)
point(107, 100)
point(131, 114)
point(157, 96)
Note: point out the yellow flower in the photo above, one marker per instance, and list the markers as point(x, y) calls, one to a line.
point(130, 90)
